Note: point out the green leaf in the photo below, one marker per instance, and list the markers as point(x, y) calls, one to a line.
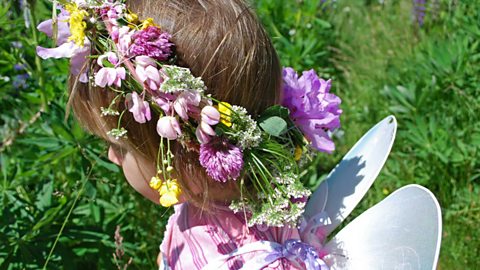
point(274, 125)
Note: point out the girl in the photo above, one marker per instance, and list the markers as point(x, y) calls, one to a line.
point(202, 153)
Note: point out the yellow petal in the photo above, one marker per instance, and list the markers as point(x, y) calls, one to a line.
point(298, 153)
point(168, 199)
point(225, 110)
point(163, 189)
point(155, 183)
point(147, 23)
point(131, 17)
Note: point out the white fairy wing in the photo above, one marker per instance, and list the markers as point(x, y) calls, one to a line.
point(401, 232)
point(348, 182)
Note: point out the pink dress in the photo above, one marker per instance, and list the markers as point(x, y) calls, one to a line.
point(195, 239)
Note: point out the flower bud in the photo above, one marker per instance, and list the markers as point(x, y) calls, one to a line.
point(210, 115)
point(168, 127)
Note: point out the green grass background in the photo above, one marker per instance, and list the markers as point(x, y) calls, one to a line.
point(62, 200)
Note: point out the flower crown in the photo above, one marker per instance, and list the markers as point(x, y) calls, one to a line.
point(136, 60)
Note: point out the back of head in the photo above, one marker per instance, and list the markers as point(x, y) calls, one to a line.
point(221, 41)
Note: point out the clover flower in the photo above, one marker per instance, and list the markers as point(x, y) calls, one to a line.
point(152, 42)
point(222, 160)
point(313, 109)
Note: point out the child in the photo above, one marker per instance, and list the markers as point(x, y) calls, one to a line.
point(202, 153)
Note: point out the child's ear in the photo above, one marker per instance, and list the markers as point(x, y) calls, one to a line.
point(114, 156)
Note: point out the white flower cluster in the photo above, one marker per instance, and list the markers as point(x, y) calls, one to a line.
point(117, 133)
point(108, 112)
point(247, 133)
point(179, 78)
point(281, 209)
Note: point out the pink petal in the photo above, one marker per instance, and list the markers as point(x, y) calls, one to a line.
point(168, 127)
point(66, 50)
point(152, 85)
point(101, 77)
point(144, 61)
point(63, 31)
point(142, 75)
point(121, 73)
point(181, 108)
point(111, 75)
point(77, 63)
point(207, 129)
point(112, 58)
point(153, 74)
point(202, 136)
point(210, 115)
point(164, 104)
point(147, 112)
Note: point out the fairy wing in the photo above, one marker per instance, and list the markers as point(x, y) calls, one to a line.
point(401, 232)
point(348, 182)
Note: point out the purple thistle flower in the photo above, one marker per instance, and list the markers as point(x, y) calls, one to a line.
point(222, 160)
point(313, 109)
point(152, 42)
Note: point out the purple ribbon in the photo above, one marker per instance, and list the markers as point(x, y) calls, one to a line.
point(296, 251)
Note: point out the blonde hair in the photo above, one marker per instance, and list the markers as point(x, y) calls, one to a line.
point(221, 41)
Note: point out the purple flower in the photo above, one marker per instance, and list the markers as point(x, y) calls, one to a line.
point(313, 109)
point(222, 160)
point(65, 49)
point(138, 107)
point(419, 11)
point(20, 81)
point(152, 42)
point(19, 67)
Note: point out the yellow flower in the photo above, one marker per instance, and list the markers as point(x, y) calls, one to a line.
point(170, 186)
point(298, 153)
point(168, 199)
point(131, 17)
point(155, 183)
point(225, 110)
point(148, 22)
point(169, 193)
point(77, 25)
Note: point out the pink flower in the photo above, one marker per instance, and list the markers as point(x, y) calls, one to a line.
point(210, 115)
point(187, 102)
point(65, 49)
point(110, 56)
point(168, 127)
point(147, 72)
point(123, 37)
point(109, 75)
point(202, 137)
point(138, 107)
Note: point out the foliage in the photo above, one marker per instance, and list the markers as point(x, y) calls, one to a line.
point(59, 193)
